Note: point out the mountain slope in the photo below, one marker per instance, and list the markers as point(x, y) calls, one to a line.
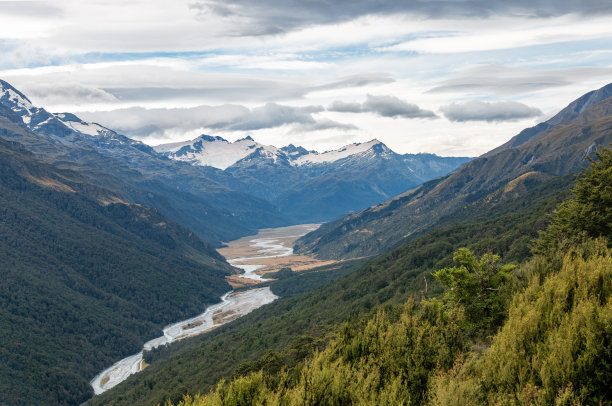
point(87, 278)
point(179, 190)
point(359, 181)
point(309, 186)
point(569, 113)
point(560, 151)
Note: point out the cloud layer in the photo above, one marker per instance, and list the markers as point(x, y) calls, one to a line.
point(162, 123)
point(270, 17)
point(506, 80)
point(267, 67)
point(384, 106)
point(488, 111)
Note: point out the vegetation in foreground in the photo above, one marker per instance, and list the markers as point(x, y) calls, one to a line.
point(552, 318)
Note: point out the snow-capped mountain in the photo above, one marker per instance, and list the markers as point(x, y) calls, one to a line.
point(212, 151)
point(180, 191)
point(314, 157)
point(311, 185)
point(220, 153)
point(64, 127)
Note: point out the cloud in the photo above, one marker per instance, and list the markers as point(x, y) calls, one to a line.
point(391, 106)
point(344, 107)
point(384, 106)
point(236, 88)
point(323, 124)
point(166, 123)
point(489, 111)
point(49, 94)
point(504, 80)
point(270, 17)
point(505, 32)
point(274, 115)
point(360, 80)
point(150, 83)
point(29, 8)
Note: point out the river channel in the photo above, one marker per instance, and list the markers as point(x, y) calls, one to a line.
point(254, 255)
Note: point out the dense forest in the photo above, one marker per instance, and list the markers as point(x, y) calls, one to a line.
point(86, 279)
point(537, 333)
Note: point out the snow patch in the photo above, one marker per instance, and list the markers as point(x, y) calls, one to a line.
point(335, 155)
point(218, 153)
point(85, 128)
point(19, 101)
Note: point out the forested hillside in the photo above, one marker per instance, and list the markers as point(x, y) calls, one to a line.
point(540, 333)
point(86, 279)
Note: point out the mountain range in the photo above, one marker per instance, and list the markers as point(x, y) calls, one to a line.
point(180, 191)
point(308, 186)
point(223, 190)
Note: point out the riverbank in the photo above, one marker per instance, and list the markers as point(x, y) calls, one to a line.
point(272, 250)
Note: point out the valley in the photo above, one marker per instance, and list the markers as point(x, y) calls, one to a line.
point(395, 309)
point(286, 226)
point(266, 252)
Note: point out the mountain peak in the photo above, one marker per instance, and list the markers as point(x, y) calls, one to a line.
point(14, 99)
point(40, 120)
point(212, 151)
point(295, 152)
point(209, 138)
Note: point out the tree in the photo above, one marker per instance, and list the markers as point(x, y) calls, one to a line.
point(476, 286)
point(588, 213)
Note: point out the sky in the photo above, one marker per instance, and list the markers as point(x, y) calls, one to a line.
point(451, 77)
